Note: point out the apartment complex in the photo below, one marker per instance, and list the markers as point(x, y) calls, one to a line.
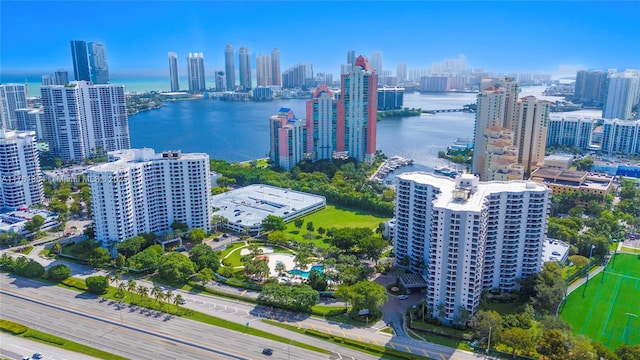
point(20, 170)
point(528, 118)
point(501, 155)
point(81, 119)
point(322, 124)
point(287, 139)
point(606, 135)
point(139, 191)
point(12, 97)
point(465, 236)
point(244, 63)
point(229, 68)
point(591, 87)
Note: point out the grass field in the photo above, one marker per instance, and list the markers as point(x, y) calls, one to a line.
point(598, 309)
point(332, 216)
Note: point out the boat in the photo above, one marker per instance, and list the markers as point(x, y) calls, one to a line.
point(446, 171)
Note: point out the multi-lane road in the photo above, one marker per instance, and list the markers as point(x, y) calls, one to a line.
point(130, 332)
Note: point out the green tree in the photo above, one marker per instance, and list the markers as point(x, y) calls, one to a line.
point(310, 227)
point(131, 246)
point(518, 339)
point(277, 237)
point(205, 275)
point(97, 284)
point(203, 256)
point(272, 222)
point(628, 352)
point(583, 349)
point(555, 344)
point(197, 235)
point(177, 300)
point(179, 226)
point(371, 247)
point(296, 298)
point(142, 291)
point(28, 268)
point(131, 285)
point(362, 295)
point(98, 257)
point(150, 259)
point(317, 281)
point(484, 320)
point(298, 223)
point(281, 268)
point(549, 289)
point(59, 272)
point(34, 224)
point(176, 268)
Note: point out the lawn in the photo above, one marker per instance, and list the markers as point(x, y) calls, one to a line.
point(332, 216)
point(232, 255)
point(599, 308)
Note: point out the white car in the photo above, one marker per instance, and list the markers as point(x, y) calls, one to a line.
point(403, 297)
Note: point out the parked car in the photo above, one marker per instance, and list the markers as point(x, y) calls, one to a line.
point(403, 297)
point(555, 253)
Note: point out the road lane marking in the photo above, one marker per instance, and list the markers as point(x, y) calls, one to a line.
point(392, 346)
point(442, 356)
point(425, 353)
point(408, 349)
point(375, 341)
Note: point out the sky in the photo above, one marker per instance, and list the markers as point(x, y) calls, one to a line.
point(498, 36)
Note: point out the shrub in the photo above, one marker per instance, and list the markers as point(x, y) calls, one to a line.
point(97, 284)
point(12, 327)
point(59, 272)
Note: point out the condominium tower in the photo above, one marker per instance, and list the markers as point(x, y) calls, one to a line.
point(287, 139)
point(622, 95)
point(276, 79)
point(263, 70)
point(464, 236)
point(195, 72)
point(98, 63)
point(20, 169)
point(80, 57)
point(173, 72)
point(61, 77)
point(12, 97)
point(229, 68)
point(323, 129)
point(591, 87)
point(139, 191)
point(358, 106)
point(244, 62)
point(82, 120)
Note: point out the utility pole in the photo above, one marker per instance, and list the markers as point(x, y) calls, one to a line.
point(489, 342)
point(589, 264)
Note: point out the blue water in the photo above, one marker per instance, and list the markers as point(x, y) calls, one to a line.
point(239, 131)
point(305, 274)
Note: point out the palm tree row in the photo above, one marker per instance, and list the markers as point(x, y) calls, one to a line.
point(156, 292)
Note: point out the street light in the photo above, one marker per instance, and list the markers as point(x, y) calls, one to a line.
point(589, 263)
point(290, 348)
point(629, 325)
point(120, 309)
point(489, 342)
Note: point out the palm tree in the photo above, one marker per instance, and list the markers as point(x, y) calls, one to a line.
point(177, 300)
point(156, 292)
point(122, 287)
point(131, 285)
point(168, 296)
point(142, 291)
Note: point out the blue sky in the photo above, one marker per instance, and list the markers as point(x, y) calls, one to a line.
point(497, 36)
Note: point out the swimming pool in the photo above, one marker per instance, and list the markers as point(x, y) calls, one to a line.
point(305, 274)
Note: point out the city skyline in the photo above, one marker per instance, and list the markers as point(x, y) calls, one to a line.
point(158, 32)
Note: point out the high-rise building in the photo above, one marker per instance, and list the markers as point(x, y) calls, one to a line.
point(244, 62)
point(288, 139)
point(62, 77)
point(351, 57)
point(376, 64)
point(390, 98)
point(229, 68)
point(276, 78)
point(195, 72)
point(173, 72)
point(623, 93)
point(46, 80)
point(12, 97)
point(591, 87)
point(530, 131)
point(401, 73)
point(98, 63)
point(263, 70)
point(323, 128)
point(570, 131)
point(359, 98)
point(20, 168)
point(139, 191)
point(82, 120)
point(80, 56)
point(220, 80)
point(621, 137)
point(501, 156)
point(300, 75)
point(464, 236)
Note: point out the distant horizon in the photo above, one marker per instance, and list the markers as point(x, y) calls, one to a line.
point(500, 37)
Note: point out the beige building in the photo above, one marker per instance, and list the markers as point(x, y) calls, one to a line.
point(501, 156)
point(563, 180)
point(530, 131)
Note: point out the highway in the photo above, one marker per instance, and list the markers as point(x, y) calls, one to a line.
point(130, 332)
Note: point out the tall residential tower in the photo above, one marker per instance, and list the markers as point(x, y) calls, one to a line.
point(276, 78)
point(244, 61)
point(229, 68)
point(98, 63)
point(20, 168)
point(195, 72)
point(173, 72)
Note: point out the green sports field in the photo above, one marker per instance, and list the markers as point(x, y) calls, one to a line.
point(598, 309)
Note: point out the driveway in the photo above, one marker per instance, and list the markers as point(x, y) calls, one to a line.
point(394, 309)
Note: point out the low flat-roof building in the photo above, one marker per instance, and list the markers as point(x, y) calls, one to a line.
point(563, 180)
point(248, 206)
point(555, 250)
point(559, 161)
point(14, 221)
